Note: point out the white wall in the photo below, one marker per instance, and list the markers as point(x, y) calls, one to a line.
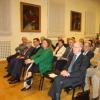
point(16, 30)
point(82, 6)
point(16, 33)
point(90, 17)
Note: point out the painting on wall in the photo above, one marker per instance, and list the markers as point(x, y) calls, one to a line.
point(30, 17)
point(75, 23)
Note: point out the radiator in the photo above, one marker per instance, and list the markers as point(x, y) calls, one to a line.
point(5, 49)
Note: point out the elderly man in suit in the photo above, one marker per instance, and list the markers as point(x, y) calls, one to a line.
point(94, 73)
point(19, 64)
point(16, 66)
point(74, 72)
point(18, 49)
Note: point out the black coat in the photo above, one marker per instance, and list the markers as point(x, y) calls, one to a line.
point(90, 55)
point(77, 75)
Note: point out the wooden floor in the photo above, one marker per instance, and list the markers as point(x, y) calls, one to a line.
point(12, 92)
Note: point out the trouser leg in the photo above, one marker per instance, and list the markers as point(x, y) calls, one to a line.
point(11, 65)
point(95, 83)
point(56, 88)
point(86, 84)
point(90, 72)
point(16, 73)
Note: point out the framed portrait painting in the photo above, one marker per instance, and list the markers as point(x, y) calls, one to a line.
point(75, 22)
point(30, 17)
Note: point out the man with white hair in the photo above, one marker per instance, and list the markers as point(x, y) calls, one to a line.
point(73, 73)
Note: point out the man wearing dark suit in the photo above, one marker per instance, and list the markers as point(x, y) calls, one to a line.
point(25, 53)
point(66, 56)
point(15, 67)
point(19, 64)
point(87, 51)
point(74, 72)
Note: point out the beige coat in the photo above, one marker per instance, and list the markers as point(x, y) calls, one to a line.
point(95, 60)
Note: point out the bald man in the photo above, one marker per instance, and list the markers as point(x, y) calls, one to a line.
point(71, 73)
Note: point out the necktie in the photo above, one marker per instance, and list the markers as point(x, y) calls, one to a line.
point(69, 52)
point(25, 50)
point(71, 64)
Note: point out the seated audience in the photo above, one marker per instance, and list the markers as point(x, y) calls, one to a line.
point(82, 41)
point(66, 56)
point(94, 73)
point(19, 49)
point(97, 49)
point(59, 51)
point(59, 38)
point(73, 72)
point(98, 41)
point(16, 65)
point(66, 44)
point(42, 38)
point(87, 50)
point(93, 45)
point(24, 54)
point(40, 62)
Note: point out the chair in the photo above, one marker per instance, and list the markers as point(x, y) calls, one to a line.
point(41, 83)
point(73, 88)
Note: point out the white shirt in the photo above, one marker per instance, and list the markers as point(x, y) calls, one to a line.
point(77, 55)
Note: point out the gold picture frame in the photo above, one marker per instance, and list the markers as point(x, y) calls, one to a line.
point(75, 22)
point(30, 17)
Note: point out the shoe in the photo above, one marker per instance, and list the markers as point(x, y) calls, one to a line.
point(97, 98)
point(8, 75)
point(25, 89)
point(14, 81)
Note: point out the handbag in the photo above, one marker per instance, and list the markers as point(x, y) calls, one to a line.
point(82, 96)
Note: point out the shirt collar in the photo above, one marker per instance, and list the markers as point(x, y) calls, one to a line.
point(77, 55)
point(37, 46)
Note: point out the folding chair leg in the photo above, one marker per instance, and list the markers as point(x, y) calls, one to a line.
point(73, 94)
point(83, 89)
point(23, 72)
point(41, 83)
